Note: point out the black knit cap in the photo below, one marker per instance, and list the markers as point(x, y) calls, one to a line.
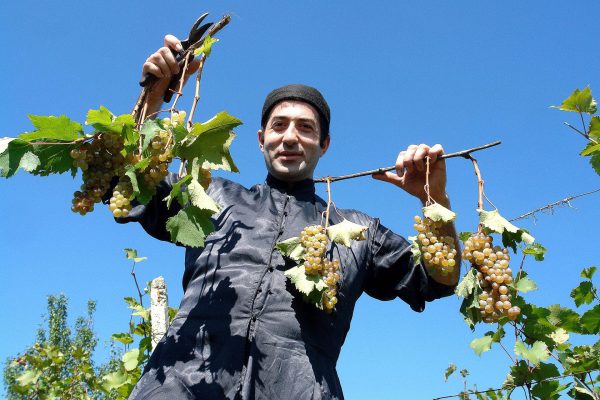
point(303, 93)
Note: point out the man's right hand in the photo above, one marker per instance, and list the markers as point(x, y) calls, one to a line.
point(164, 66)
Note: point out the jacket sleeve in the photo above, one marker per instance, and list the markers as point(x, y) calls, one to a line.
point(391, 272)
point(153, 216)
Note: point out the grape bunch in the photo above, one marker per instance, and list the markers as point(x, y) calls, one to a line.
point(314, 241)
point(99, 159)
point(492, 263)
point(119, 202)
point(438, 251)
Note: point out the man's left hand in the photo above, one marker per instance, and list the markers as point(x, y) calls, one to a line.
point(411, 169)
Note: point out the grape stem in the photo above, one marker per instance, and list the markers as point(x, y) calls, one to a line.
point(585, 135)
point(197, 93)
point(462, 153)
point(551, 206)
point(328, 202)
point(479, 182)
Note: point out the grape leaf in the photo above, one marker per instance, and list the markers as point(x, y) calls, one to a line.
point(481, 345)
point(200, 199)
point(53, 158)
point(590, 320)
point(449, 371)
point(536, 250)
point(579, 101)
point(437, 212)
point(291, 248)
point(56, 128)
point(149, 129)
point(595, 163)
point(306, 284)
point(131, 254)
point(209, 142)
point(590, 149)
point(588, 273)
point(190, 226)
point(493, 221)
point(103, 120)
point(594, 128)
point(537, 353)
point(525, 284)
point(559, 336)
point(345, 232)
point(141, 191)
point(131, 359)
point(547, 390)
point(469, 289)
point(178, 193)
point(583, 294)
point(124, 338)
point(206, 47)
point(415, 250)
point(563, 317)
point(464, 236)
point(16, 154)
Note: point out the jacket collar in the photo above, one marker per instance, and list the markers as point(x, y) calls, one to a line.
point(302, 190)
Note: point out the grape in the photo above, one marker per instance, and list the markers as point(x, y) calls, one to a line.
point(492, 264)
point(438, 251)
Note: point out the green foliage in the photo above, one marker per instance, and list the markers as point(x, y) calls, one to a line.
point(481, 345)
point(346, 232)
point(580, 101)
point(469, 289)
point(437, 212)
point(311, 286)
point(536, 250)
point(190, 226)
point(492, 221)
point(291, 248)
point(206, 47)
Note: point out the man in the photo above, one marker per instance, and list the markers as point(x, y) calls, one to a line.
point(243, 331)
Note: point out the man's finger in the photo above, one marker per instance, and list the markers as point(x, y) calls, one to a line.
point(389, 177)
point(152, 69)
point(419, 158)
point(173, 43)
point(169, 58)
point(409, 158)
point(436, 151)
point(400, 163)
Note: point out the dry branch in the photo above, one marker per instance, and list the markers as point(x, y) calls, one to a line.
point(463, 153)
point(551, 206)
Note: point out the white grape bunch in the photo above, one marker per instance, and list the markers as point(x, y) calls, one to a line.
point(438, 251)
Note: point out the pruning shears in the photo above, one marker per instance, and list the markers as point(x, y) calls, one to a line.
point(194, 40)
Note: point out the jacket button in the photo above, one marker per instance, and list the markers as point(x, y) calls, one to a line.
point(271, 269)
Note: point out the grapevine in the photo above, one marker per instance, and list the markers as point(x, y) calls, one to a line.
point(125, 157)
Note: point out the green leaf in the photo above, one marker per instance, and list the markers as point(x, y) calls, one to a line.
point(590, 320)
point(449, 371)
point(468, 285)
point(415, 249)
point(114, 380)
point(537, 353)
point(469, 289)
point(464, 236)
point(590, 149)
point(559, 336)
point(190, 226)
point(149, 129)
point(210, 141)
point(178, 193)
point(29, 377)
point(345, 232)
point(563, 317)
point(595, 163)
point(583, 294)
point(141, 191)
point(291, 248)
point(306, 284)
point(132, 303)
point(16, 154)
point(437, 212)
point(200, 199)
point(131, 254)
point(130, 359)
point(206, 47)
point(55, 128)
point(547, 390)
point(493, 221)
point(53, 158)
point(481, 345)
point(124, 338)
point(525, 284)
point(588, 273)
point(536, 250)
point(579, 101)
point(594, 128)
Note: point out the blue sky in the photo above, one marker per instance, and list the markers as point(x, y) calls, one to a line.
point(394, 73)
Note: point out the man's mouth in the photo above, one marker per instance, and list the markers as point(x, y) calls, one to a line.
point(289, 155)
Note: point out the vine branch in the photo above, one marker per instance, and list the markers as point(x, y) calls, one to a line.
point(462, 153)
point(551, 206)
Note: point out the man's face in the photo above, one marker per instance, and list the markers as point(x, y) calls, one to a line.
point(290, 141)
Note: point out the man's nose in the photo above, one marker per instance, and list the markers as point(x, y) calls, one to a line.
point(290, 135)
